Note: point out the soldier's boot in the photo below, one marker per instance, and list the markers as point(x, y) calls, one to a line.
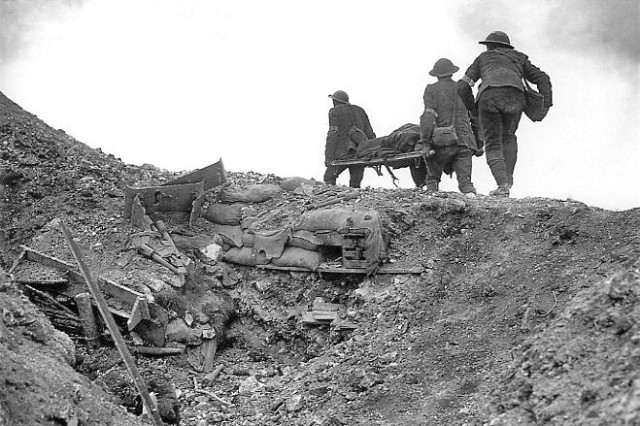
point(502, 191)
point(432, 186)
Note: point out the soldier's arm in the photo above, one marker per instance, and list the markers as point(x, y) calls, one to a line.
point(465, 85)
point(332, 138)
point(428, 117)
point(368, 130)
point(540, 79)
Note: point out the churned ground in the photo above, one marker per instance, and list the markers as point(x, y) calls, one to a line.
point(526, 313)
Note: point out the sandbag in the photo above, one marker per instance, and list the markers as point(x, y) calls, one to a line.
point(225, 214)
point(299, 258)
point(292, 183)
point(327, 225)
point(244, 256)
point(247, 239)
point(230, 234)
point(256, 193)
point(304, 239)
point(271, 244)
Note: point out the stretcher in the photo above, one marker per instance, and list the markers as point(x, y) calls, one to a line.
point(397, 161)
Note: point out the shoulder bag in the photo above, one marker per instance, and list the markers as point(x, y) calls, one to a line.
point(534, 108)
point(446, 135)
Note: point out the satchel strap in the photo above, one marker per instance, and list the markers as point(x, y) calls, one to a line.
point(519, 65)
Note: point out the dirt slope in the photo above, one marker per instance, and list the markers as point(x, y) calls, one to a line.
point(527, 312)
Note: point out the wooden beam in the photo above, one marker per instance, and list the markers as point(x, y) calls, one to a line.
point(170, 198)
point(88, 320)
point(153, 351)
point(119, 291)
point(35, 256)
point(139, 312)
point(113, 329)
point(211, 176)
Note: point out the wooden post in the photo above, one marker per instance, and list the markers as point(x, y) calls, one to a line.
point(88, 320)
point(113, 328)
point(209, 349)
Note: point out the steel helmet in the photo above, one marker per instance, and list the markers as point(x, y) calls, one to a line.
point(498, 37)
point(340, 96)
point(443, 67)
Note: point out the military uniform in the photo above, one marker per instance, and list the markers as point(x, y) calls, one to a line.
point(348, 126)
point(439, 100)
point(500, 101)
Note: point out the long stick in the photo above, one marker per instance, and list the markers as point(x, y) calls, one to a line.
point(113, 328)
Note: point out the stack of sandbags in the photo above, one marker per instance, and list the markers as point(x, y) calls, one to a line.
point(287, 236)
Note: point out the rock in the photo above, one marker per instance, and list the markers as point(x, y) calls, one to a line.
point(318, 389)
point(213, 251)
point(251, 384)
point(294, 403)
point(351, 396)
point(177, 331)
point(389, 356)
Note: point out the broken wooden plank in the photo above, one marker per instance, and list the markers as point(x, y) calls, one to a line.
point(381, 270)
point(119, 291)
point(308, 318)
point(18, 260)
point(45, 283)
point(36, 256)
point(139, 382)
point(211, 176)
point(139, 217)
point(324, 316)
point(169, 198)
point(333, 200)
point(341, 324)
point(209, 349)
point(139, 312)
point(88, 320)
point(284, 268)
point(196, 210)
point(390, 269)
point(119, 313)
point(52, 301)
point(328, 307)
point(153, 351)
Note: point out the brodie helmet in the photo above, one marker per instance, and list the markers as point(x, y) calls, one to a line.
point(340, 96)
point(499, 38)
point(443, 67)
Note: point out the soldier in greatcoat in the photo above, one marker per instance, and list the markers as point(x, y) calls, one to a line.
point(442, 108)
point(348, 126)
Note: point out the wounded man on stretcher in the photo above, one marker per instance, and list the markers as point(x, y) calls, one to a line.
point(401, 148)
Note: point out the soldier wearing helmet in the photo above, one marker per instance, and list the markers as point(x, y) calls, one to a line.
point(500, 102)
point(442, 108)
point(348, 126)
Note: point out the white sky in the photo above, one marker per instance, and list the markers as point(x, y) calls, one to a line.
point(180, 84)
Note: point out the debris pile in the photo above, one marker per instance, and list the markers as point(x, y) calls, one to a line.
point(477, 311)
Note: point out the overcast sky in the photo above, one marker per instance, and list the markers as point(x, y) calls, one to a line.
point(181, 84)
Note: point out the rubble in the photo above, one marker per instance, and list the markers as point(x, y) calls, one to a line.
point(439, 314)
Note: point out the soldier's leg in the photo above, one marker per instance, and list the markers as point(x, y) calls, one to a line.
point(492, 127)
point(332, 173)
point(356, 174)
point(434, 170)
point(514, 104)
point(510, 142)
point(462, 166)
point(419, 174)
